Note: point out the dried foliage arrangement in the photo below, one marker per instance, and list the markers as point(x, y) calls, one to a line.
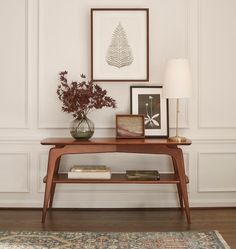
point(79, 98)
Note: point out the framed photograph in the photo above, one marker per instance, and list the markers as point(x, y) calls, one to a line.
point(148, 101)
point(120, 44)
point(129, 126)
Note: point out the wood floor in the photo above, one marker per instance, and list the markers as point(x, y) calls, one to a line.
point(123, 220)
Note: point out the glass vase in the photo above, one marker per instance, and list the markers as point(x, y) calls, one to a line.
point(82, 128)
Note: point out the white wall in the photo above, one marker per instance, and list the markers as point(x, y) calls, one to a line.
point(41, 37)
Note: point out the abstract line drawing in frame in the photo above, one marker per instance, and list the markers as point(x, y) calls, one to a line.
point(129, 126)
point(120, 44)
point(148, 101)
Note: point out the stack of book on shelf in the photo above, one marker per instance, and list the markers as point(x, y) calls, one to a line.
point(143, 175)
point(89, 172)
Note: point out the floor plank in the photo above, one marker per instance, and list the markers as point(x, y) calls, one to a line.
point(123, 220)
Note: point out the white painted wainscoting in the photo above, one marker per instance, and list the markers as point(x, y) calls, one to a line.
point(39, 38)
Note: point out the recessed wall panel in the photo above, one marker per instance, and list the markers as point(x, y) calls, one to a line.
point(217, 53)
point(13, 63)
point(14, 175)
point(64, 44)
point(216, 172)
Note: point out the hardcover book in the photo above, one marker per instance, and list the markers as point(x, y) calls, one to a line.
point(89, 175)
point(143, 175)
point(89, 172)
point(89, 168)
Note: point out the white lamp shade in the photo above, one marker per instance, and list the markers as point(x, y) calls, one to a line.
point(178, 82)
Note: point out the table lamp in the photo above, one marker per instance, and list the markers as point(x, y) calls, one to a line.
point(177, 85)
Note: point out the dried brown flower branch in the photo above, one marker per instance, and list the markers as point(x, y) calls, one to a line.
point(81, 97)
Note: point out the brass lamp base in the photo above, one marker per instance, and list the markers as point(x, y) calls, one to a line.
point(177, 139)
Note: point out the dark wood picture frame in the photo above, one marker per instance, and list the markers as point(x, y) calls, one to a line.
point(109, 66)
point(148, 101)
point(129, 126)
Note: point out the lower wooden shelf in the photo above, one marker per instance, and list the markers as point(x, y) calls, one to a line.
point(116, 178)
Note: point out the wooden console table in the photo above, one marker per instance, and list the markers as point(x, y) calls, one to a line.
point(63, 146)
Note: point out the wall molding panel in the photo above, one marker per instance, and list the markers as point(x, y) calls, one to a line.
point(215, 171)
point(15, 178)
point(14, 52)
point(218, 47)
point(57, 120)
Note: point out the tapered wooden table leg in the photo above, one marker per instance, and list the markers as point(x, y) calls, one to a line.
point(50, 173)
point(179, 162)
point(178, 185)
point(53, 183)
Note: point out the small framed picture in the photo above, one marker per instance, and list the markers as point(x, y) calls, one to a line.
point(129, 126)
point(120, 44)
point(148, 101)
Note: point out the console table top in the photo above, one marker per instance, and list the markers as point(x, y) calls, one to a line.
point(110, 141)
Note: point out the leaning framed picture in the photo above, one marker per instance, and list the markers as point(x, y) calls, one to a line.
point(148, 101)
point(120, 44)
point(129, 126)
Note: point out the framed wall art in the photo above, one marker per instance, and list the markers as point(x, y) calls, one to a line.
point(120, 44)
point(129, 126)
point(148, 101)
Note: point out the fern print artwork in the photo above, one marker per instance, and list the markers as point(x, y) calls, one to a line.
point(119, 53)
